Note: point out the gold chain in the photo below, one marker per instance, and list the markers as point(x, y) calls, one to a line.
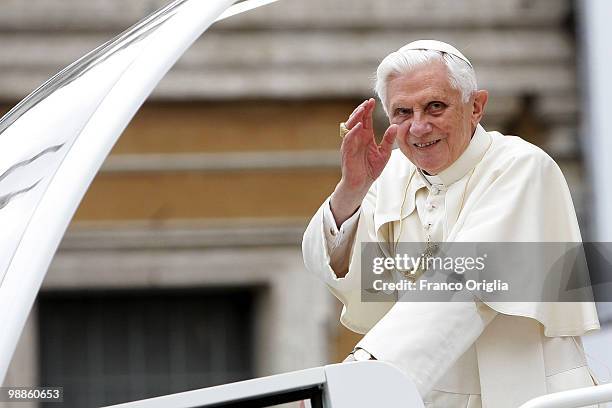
point(430, 247)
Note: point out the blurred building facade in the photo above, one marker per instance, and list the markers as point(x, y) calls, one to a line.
point(182, 267)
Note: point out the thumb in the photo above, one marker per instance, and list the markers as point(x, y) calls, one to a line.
point(387, 142)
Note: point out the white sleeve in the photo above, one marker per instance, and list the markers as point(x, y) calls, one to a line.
point(339, 240)
point(424, 339)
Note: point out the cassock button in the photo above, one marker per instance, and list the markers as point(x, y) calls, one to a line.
point(430, 206)
point(332, 231)
point(435, 190)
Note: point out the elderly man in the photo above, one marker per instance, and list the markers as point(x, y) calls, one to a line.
point(449, 181)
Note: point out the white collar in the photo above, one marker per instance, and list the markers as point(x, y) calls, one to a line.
point(466, 162)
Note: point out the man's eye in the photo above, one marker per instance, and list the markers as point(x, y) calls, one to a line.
point(402, 111)
point(436, 107)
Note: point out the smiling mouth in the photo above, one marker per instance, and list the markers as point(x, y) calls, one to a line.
point(423, 145)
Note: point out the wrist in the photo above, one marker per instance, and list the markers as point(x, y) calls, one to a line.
point(351, 190)
point(347, 200)
point(342, 208)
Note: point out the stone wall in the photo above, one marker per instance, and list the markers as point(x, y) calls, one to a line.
point(269, 87)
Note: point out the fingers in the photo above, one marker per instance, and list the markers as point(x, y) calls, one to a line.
point(387, 142)
point(363, 113)
point(367, 115)
point(355, 139)
point(355, 117)
point(354, 131)
point(362, 105)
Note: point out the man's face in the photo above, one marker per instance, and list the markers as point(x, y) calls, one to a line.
point(429, 110)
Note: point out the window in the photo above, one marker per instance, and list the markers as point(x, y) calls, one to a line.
point(107, 348)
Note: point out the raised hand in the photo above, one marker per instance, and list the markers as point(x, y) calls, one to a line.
point(363, 160)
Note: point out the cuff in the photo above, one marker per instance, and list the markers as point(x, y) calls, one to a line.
point(334, 235)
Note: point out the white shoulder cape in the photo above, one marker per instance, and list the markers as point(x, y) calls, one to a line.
point(516, 193)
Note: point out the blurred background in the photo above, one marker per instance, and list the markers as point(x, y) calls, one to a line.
point(182, 267)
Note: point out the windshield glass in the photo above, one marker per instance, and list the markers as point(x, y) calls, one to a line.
point(55, 140)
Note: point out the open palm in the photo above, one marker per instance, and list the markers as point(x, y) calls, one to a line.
point(363, 160)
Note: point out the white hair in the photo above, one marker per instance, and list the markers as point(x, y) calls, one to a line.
point(460, 74)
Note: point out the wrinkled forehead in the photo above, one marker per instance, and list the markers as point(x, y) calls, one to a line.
point(428, 80)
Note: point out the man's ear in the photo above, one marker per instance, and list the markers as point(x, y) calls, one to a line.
point(478, 108)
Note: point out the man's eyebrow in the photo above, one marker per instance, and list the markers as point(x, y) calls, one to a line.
point(439, 97)
point(397, 105)
point(427, 101)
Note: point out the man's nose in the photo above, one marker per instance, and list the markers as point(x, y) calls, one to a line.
point(420, 127)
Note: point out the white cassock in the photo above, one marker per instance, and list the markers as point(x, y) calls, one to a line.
point(463, 354)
